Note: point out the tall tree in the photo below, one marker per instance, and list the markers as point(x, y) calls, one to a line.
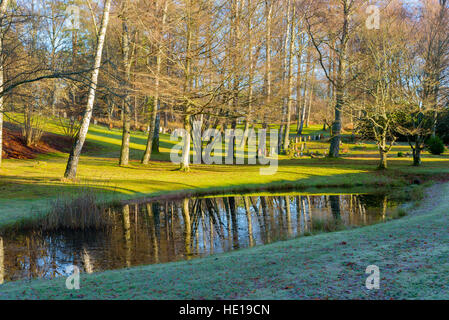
point(376, 92)
point(72, 163)
point(329, 20)
point(156, 101)
point(291, 21)
point(425, 74)
point(435, 52)
point(268, 50)
point(252, 59)
point(126, 64)
point(3, 8)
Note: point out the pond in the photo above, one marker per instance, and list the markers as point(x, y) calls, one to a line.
point(165, 231)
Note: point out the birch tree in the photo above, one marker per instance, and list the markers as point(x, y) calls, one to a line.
point(126, 65)
point(74, 157)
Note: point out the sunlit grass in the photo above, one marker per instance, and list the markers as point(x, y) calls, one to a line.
point(27, 186)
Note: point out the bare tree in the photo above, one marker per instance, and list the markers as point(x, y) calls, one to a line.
point(424, 75)
point(435, 53)
point(331, 27)
point(291, 22)
point(157, 75)
point(126, 64)
point(375, 90)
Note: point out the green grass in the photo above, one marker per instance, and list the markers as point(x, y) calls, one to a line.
point(27, 188)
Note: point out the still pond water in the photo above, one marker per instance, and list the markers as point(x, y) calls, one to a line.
point(165, 231)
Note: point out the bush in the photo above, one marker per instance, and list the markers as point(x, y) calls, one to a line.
point(400, 154)
point(435, 145)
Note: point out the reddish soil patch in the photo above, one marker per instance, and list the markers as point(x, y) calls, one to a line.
point(15, 148)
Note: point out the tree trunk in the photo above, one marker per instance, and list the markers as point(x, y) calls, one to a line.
point(74, 157)
point(249, 221)
point(157, 128)
point(126, 135)
point(153, 233)
point(124, 150)
point(290, 80)
point(231, 155)
point(298, 88)
point(310, 96)
point(304, 95)
point(334, 148)
point(280, 137)
point(335, 206)
point(154, 112)
point(184, 166)
point(127, 234)
point(234, 223)
point(250, 77)
point(339, 88)
point(269, 15)
point(417, 154)
point(149, 147)
point(187, 228)
point(185, 163)
point(383, 159)
point(3, 7)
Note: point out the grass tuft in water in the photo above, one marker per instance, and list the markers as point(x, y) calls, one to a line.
point(80, 212)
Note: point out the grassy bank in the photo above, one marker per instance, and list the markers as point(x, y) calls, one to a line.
point(412, 254)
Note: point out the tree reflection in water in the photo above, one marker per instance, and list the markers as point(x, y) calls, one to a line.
point(166, 231)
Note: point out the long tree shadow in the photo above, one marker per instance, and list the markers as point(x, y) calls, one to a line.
point(39, 187)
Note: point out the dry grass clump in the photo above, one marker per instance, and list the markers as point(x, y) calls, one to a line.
point(83, 211)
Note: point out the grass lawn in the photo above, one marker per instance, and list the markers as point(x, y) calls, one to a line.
point(27, 187)
point(412, 252)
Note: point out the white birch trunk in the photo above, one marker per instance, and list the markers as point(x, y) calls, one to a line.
point(74, 157)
